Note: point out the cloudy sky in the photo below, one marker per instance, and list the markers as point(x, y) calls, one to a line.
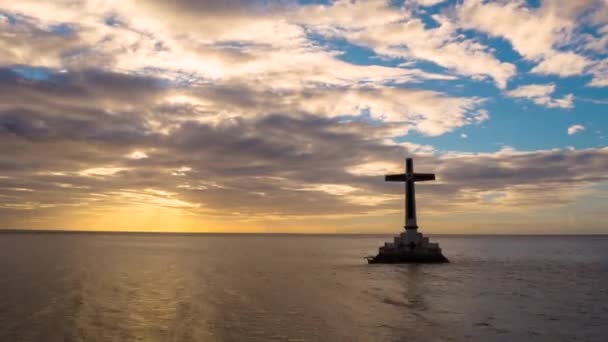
point(283, 116)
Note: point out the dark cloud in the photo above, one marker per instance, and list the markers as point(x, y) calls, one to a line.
point(62, 151)
point(27, 42)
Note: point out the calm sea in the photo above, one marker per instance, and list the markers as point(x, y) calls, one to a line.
point(129, 287)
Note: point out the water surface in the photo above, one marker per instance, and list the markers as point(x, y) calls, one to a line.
point(132, 287)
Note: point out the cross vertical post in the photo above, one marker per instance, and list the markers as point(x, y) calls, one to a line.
point(410, 196)
point(409, 178)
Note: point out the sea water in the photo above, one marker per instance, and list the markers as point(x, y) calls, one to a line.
point(147, 287)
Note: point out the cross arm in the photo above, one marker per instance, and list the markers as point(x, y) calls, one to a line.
point(421, 177)
point(395, 178)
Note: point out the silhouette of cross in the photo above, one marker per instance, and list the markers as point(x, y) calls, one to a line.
point(409, 177)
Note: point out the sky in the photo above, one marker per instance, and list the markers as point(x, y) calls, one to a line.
point(284, 116)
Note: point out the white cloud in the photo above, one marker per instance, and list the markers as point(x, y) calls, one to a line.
point(102, 171)
point(575, 129)
point(545, 34)
point(374, 168)
point(395, 34)
point(181, 171)
point(428, 112)
point(419, 149)
point(193, 39)
point(137, 155)
point(532, 32)
point(481, 116)
point(562, 64)
point(532, 90)
point(266, 52)
point(172, 40)
point(600, 74)
point(332, 189)
point(348, 15)
point(428, 2)
point(464, 136)
point(598, 44)
point(399, 109)
point(565, 102)
point(541, 95)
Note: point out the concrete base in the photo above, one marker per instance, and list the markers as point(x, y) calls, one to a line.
point(409, 247)
point(407, 258)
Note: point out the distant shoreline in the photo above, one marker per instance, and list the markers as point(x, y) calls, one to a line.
point(108, 232)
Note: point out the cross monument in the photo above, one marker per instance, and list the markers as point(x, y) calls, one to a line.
point(409, 177)
point(409, 246)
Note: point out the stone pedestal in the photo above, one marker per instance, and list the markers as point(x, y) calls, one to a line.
point(409, 247)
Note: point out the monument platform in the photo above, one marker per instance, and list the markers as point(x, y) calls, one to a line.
point(408, 247)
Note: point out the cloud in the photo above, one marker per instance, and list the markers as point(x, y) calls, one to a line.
point(184, 40)
point(395, 34)
point(231, 72)
point(269, 168)
point(235, 111)
point(344, 15)
point(540, 35)
point(67, 158)
point(532, 90)
point(137, 155)
point(575, 129)
point(429, 2)
point(102, 171)
point(541, 95)
point(600, 74)
point(192, 40)
point(278, 166)
point(532, 32)
point(562, 64)
point(481, 116)
point(428, 112)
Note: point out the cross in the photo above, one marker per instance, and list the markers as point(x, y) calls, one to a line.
point(409, 177)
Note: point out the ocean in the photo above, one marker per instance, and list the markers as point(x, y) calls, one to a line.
point(213, 287)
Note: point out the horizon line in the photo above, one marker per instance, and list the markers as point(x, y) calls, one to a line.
point(78, 231)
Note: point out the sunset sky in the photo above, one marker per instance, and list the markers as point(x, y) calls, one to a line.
point(284, 116)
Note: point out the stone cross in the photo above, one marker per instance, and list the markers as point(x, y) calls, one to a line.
point(409, 177)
